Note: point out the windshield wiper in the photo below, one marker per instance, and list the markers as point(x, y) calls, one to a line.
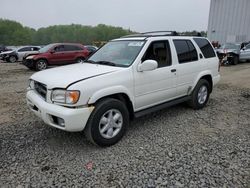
point(89, 61)
point(105, 63)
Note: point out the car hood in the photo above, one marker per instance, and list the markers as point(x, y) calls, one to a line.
point(7, 52)
point(227, 50)
point(62, 77)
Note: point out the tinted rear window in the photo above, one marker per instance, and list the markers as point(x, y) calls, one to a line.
point(186, 51)
point(205, 47)
point(72, 48)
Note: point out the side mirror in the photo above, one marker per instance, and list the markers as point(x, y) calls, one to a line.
point(148, 65)
point(52, 51)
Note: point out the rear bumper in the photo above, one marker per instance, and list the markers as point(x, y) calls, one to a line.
point(75, 119)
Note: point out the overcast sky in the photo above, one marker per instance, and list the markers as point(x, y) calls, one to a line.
point(138, 15)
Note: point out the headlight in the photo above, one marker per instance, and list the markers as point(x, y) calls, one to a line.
point(31, 84)
point(30, 57)
point(64, 96)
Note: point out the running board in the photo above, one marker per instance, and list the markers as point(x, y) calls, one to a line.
point(161, 106)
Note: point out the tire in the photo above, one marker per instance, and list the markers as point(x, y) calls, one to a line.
point(41, 64)
point(235, 60)
point(99, 130)
point(80, 60)
point(200, 95)
point(12, 59)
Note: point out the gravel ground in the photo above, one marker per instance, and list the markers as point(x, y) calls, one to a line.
point(176, 147)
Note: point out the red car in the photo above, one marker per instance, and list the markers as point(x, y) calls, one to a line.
point(56, 54)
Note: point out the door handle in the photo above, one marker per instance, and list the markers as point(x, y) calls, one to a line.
point(173, 70)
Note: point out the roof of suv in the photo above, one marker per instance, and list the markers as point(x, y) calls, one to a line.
point(146, 35)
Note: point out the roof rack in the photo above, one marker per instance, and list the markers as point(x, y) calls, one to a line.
point(158, 34)
point(153, 34)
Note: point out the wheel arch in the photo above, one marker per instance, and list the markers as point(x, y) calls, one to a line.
point(206, 76)
point(121, 95)
point(42, 58)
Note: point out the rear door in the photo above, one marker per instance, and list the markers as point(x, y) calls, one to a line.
point(72, 52)
point(189, 66)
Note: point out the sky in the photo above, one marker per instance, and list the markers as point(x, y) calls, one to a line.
point(137, 15)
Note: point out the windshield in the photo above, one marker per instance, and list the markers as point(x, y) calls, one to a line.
point(230, 46)
point(118, 53)
point(46, 48)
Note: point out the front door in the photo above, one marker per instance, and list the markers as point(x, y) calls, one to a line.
point(58, 57)
point(159, 85)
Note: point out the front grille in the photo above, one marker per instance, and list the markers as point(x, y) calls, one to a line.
point(41, 89)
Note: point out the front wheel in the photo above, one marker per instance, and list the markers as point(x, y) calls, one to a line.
point(235, 60)
point(12, 59)
point(107, 123)
point(200, 95)
point(41, 65)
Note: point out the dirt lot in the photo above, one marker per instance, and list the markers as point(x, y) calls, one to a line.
point(176, 147)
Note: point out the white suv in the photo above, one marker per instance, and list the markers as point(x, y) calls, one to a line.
point(126, 78)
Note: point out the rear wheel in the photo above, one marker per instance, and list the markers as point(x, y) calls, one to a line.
point(107, 123)
point(41, 64)
point(200, 95)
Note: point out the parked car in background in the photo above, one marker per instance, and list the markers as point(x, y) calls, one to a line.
point(229, 53)
point(9, 56)
point(3, 48)
point(27, 50)
point(243, 44)
point(91, 49)
point(56, 54)
point(18, 54)
point(245, 53)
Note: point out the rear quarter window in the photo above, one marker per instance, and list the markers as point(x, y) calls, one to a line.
point(205, 46)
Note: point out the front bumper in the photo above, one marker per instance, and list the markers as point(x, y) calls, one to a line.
point(75, 119)
point(4, 57)
point(28, 63)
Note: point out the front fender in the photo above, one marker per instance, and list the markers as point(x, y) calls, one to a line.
point(109, 91)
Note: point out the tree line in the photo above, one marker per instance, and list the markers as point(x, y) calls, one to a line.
point(13, 33)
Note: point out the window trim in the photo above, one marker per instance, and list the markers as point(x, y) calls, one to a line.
point(167, 42)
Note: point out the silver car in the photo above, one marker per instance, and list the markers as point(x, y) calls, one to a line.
point(245, 53)
point(229, 53)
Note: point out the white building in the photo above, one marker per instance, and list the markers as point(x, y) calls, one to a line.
point(229, 21)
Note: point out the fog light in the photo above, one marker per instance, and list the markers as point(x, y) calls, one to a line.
point(61, 122)
point(58, 121)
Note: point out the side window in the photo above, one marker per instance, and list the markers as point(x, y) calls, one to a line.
point(72, 48)
point(160, 52)
point(35, 49)
point(59, 48)
point(24, 49)
point(186, 51)
point(205, 47)
point(247, 47)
